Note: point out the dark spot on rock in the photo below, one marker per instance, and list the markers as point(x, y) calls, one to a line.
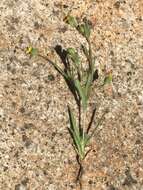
point(45, 172)
point(53, 135)
point(13, 104)
point(15, 20)
point(138, 141)
point(16, 154)
point(139, 19)
point(20, 187)
point(129, 73)
point(95, 75)
point(25, 181)
point(22, 110)
point(60, 134)
point(58, 5)
point(28, 143)
point(128, 61)
point(11, 28)
point(117, 4)
point(30, 88)
point(8, 67)
point(56, 12)
point(65, 6)
point(53, 147)
point(17, 187)
point(90, 182)
point(125, 155)
point(51, 77)
point(111, 187)
point(71, 186)
point(36, 25)
point(40, 88)
point(26, 140)
point(25, 64)
point(5, 168)
point(63, 29)
point(112, 53)
point(129, 180)
point(28, 125)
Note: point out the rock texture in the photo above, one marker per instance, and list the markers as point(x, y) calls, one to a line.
point(35, 147)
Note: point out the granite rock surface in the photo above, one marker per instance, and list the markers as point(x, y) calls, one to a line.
point(36, 150)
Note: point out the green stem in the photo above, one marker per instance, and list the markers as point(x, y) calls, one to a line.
point(90, 55)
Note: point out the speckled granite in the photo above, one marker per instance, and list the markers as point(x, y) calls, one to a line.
point(35, 147)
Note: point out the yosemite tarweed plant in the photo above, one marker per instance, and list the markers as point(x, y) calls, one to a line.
point(80, 82)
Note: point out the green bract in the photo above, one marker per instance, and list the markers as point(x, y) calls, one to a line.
point(84, 29)
point(71, 21)
point(73, 55)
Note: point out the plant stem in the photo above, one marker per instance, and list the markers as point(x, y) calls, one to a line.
point(90, 55)
point(80, 172)
point(83, 130)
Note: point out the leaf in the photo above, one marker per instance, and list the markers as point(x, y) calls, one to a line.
point(80, 28)
point(73, 123)
point(88, 84)
point(75, 133)
point(86, 139)
point(108, 79)
point(81, 93)
point(87, 30)
point(72, 53)
point(84, 29)
point(71, 21)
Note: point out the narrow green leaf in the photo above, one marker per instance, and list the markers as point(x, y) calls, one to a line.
point(80, 28)
point(79, 142)
point(87, 30)
point(81, 93)
point(75, 133)
point(88, 84)
point(74, 125)
point(73, 55)
point(86, 139)
point(84, 29)
point(76, 141)
point(108, 79)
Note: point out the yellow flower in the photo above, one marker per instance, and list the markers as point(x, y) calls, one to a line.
point(32, 51)
point(29, 50)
